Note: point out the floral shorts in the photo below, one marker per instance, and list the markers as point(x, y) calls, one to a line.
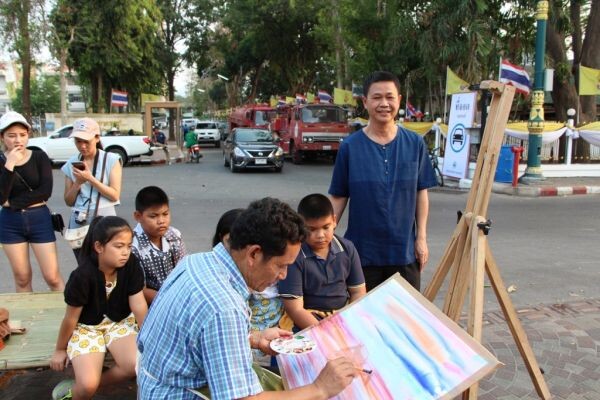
point(88, 339)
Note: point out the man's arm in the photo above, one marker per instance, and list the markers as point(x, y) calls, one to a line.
point(339, 205)
point(334, 377)
point(295, 309)
point(357, 292)
point(422, 213)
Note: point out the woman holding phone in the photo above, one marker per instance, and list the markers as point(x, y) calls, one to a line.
point(93, 176)
point(25, 186)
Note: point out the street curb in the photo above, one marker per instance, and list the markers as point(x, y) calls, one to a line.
point(533, 191)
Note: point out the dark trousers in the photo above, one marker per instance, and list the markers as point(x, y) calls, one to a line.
point(375, 275)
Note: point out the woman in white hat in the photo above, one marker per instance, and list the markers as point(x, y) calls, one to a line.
point(25, 186)
point(93, 176)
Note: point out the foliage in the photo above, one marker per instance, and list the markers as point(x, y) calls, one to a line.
point(45, 96)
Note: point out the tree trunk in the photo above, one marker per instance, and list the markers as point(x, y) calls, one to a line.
point(337, 34)
point(63, 86)
point(24, 51)
point(99, 100)
point(564, 95)
point(255, 84)
point(590, 57)
point(171, 97)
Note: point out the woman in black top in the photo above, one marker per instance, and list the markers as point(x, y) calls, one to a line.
point(25, 185)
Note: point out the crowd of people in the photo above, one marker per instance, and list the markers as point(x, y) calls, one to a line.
point(183, 322)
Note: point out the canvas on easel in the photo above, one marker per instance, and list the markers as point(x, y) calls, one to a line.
point(402, 345)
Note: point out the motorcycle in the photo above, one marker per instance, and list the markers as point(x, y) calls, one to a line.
point(194, 153)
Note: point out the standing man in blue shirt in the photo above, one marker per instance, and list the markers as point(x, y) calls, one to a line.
point(384, 171)
point(197, 332)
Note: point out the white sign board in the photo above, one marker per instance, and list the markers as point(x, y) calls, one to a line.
point(462, 116)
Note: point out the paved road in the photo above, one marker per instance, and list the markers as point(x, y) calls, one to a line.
point(547, 247)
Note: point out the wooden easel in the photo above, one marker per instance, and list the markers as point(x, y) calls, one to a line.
point(468, 255)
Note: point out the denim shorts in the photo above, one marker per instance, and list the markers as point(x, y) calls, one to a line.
point(33, 225)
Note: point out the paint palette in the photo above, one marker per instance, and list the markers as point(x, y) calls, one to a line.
point(297, 344)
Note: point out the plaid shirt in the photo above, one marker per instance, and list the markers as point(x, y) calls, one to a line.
point(196, 332)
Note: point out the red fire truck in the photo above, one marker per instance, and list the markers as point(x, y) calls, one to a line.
point(252, 116)
point(310, 130)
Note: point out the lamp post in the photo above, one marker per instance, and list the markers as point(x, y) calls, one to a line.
point(401, 114)
point(533, 172)
point(570, 125)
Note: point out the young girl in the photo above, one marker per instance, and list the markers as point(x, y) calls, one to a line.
point(25, 221)
point(103, 295)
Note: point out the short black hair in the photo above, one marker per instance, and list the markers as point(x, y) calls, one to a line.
point(315, 206)
point(224, 225)
point(269, 223)
point(150, 196)
point(102, 229)
point(380, 76)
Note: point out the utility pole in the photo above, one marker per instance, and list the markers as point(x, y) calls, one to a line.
point(533, 173)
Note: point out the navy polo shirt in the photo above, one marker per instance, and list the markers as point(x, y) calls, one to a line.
point(323, 284)
point(381, 183)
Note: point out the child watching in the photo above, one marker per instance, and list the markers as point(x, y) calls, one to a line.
point(157, 245)
point(327, 272)
point(104, 299)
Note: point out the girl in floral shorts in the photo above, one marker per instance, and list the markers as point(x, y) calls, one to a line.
point(104, 299)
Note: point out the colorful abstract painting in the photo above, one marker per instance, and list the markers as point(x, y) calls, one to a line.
point(403, 346)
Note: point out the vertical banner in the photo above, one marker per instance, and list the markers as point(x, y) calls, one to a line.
point(462, 116)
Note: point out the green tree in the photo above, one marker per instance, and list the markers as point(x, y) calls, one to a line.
point(22, 29)
point(113, 47)
point(45, 96)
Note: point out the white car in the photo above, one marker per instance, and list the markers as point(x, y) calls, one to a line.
point(59, 147)
point(208, 132)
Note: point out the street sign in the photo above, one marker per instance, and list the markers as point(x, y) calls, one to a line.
point(462, 117)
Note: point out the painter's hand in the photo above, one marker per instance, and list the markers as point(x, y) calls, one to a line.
point(59, 360)
point(421, 252)
point(336, 375)
point(266, 336)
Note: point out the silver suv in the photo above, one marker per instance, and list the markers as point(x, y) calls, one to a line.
point(208, 132)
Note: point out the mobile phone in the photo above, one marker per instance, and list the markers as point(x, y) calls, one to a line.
point(79, 165)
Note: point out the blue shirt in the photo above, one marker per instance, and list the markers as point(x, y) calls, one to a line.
point(381, 183)
point(196, 332)
point(83, 197)
point(323, 284)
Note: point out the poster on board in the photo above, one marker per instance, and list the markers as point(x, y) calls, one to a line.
point(403, 346)
point(462, 117)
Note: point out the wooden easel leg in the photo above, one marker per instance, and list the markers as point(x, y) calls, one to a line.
point(518, 333)
point(475, 321)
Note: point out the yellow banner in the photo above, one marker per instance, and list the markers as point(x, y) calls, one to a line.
point(290, 100)
point(310, 97)
point(273, 101)
point(589, 81)
point(454, 84)
point(419, 127)
point(151, 97)
point(343, 97)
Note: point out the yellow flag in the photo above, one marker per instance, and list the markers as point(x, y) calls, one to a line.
point(454, 84)
point(310, 97)
point(290, 100)
point(343, 97)
point(589, 81)
point(273, 101)
point(151, 97)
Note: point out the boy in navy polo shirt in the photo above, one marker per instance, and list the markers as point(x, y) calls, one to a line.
point(327, 272)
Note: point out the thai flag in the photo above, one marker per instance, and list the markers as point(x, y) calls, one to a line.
point(324, 97)
point(516, 76)
point(118, 98)
point(411, 111)
point(300, 99)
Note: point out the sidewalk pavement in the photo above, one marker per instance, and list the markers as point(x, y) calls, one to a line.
point(565, 339)
point(547, 187)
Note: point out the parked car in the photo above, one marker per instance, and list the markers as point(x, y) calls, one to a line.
point(208, 132)
point(223, 128)
point(252, 148)
point(59, 147)
point(190, 123)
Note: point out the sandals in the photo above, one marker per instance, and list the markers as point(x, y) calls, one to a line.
point(62, 391)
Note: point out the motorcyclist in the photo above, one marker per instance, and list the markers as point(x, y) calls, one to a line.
point(190, 139)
